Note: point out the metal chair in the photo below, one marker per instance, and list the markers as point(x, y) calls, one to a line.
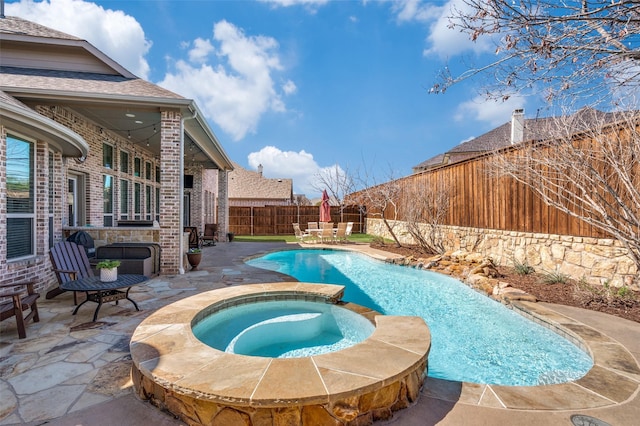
point(210, 235)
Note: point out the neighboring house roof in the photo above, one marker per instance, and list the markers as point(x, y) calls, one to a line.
point(534, 129)
point(246, 184)
point(43, 66)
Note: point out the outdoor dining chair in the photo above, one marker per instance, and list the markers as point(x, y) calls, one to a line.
point(299, 234)
point(341, 232)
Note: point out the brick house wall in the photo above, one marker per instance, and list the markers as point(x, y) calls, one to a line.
point(52, 185)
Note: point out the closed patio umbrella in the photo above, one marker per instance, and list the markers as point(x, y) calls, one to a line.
point(325, 208)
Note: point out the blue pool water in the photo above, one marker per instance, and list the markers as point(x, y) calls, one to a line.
point(474, 339)
point(283, 329)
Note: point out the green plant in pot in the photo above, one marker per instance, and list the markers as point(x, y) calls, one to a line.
point(108, 270)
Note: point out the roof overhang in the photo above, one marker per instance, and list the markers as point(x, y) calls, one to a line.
point(30, 123)
point(208, 150)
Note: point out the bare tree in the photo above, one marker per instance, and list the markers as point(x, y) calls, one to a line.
point(585, 48)
point(338, 182)
point(301, 200)
point(381, 200)
point(426, 207)
point(590, 170)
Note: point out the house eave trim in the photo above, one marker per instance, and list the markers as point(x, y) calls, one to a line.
point(69, 143)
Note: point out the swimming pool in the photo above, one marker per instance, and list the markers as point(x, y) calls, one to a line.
point(474, 339)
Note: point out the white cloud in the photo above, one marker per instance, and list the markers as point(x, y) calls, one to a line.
point(414, 10)
point(116, 34)
point(239, 89)
point(201, 50)
point(299, 166)
point(446, 42)
point(310, 4)
point(492, 112)
point(289, 87)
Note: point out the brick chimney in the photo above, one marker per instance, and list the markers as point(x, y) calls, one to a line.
point(517, 126)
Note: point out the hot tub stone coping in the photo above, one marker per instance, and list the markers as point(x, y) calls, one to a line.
point(164, 349)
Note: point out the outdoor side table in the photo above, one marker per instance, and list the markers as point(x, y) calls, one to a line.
point(101, 292)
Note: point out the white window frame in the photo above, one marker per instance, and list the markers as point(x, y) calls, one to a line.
point(31, 215)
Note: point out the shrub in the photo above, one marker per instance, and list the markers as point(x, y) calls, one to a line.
point(555, 278)
point(522, 268)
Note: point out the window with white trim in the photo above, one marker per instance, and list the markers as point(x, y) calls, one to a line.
point(137, 200)
point(107, 211)
point(107, 156)
point(124, 199)
point(20, 198)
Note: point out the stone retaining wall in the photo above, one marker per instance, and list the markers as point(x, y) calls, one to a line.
point(596, 260)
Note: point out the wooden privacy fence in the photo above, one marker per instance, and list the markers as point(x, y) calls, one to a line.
point(476, 199)
point(277, 220)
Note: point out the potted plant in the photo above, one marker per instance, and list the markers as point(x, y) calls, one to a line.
point(108, 270)
point(230, 236)
point(194, 255)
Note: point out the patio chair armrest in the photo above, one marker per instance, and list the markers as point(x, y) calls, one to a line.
point(28, 284)
point(72, 272)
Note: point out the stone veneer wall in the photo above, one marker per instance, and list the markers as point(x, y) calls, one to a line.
point(597, 260)
point(350, 409)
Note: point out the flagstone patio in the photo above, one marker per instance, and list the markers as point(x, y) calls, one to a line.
point(71, 371)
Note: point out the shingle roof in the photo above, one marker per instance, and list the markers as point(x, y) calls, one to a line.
point(18, 26)
point(80, 82)
point(248, 184)
point(535, 129)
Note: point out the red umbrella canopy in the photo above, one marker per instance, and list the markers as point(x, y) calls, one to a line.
point(325, 208)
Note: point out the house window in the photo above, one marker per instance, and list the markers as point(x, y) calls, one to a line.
point(148, 202)
point(147, 170)
point(124, 199)
point(51, 198)
point(20, 198)
point(137, 166)
point(158, 204)
point(124, 162)
point(108, 200)
point(107, 156)
point(137, 200)
point(158, 174)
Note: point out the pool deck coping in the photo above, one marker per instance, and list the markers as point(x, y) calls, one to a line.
point(164, 349)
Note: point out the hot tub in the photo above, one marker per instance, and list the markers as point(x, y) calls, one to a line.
point(283, 329)
point(200, 384)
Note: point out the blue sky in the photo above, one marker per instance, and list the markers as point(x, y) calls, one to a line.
point(300, 86)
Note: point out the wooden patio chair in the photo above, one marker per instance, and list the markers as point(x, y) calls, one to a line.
point(210, 235)
point(194, 238)
point(19, 303)
point(70, 262)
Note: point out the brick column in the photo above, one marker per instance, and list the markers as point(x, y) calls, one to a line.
point(223, 204)
point(170, 191)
